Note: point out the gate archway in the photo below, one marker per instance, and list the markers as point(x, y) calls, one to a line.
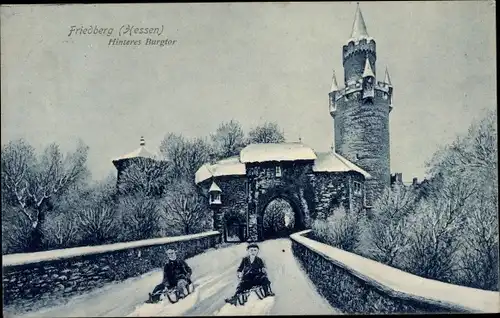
point(289, 201)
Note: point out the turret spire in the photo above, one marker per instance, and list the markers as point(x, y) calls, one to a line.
point(359, 27)
point(368, 69)
point(143, 142)
point(387, 78)
point(335, 86)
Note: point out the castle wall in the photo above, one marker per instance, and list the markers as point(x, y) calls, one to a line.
point(332, 190)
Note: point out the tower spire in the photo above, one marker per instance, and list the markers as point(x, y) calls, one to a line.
point(368, 69)
point(387, 78)
point(143, 142)
point(335, 86)
point(359, 27)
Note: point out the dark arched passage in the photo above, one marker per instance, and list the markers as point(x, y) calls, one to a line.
point(294, 203)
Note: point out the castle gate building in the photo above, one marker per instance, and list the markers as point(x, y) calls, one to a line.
point(314, 184)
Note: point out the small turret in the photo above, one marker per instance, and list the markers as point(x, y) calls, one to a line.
point(333, 94)
point(368, 81)
point(214, 194)
point(387, 80)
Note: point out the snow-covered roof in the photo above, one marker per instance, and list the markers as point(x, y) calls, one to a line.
point(333, 162)
point(214, 188)
point(368, 69)
point(276, 152)
point(397, 281)
point(30, 258)
point(359, 27)
point(139, 152)
point(225, 167)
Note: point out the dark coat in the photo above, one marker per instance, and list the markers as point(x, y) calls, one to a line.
point(175, 270)
point(249, 269)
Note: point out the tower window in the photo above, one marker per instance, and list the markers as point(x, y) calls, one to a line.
point(215, 197)
point(357, 188)
point(278, 171)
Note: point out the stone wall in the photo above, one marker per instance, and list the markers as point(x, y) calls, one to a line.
point(357, 285)
point(28, 278)
point(331, 190)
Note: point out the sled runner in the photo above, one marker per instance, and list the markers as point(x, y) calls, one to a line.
point(173, 295)
point(242, 298)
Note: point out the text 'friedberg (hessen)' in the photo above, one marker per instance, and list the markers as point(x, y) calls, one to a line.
point(122, 36)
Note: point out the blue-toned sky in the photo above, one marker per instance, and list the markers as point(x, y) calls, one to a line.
point(250, 62)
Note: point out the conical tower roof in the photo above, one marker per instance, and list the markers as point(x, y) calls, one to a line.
point(387, 78)
point(139, 152)
point(335, 86)
point(368, 69)
point(359, 27)
point(214, 187)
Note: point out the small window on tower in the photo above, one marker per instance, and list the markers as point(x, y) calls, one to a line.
point(278, 171)
point(357, 188)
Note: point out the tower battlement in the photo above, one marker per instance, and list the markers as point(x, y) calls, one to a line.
point(362, 46)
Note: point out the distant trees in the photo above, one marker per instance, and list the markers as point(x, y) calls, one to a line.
point(340, 229)
point(451, 232)
point(268, 132)
point(387, 236)
point(185, 209)
point(228, 140)
point(276, 215)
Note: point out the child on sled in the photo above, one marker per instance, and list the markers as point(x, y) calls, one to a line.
point(176, 275)
point(252, 273)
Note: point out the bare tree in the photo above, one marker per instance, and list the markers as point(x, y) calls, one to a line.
point(185, 156)
point(478, 259)
point(185, 209)
point(386, 235)
point(340, 229)
point(98, 224)
point(228, 140)
point(141, 218)
point(268, 132)
point(33, 182)
point(146, 176)
point(61, 231)
point(435, 231)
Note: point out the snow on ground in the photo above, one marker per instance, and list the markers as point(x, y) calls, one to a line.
point(254, 306)
point(214, 274)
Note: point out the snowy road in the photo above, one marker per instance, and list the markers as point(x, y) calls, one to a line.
point(215, 274)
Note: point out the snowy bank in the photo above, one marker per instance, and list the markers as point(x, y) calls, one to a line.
point(344, 277)
point(28, 258)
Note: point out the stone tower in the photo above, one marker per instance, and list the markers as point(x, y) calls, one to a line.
point(361, 110)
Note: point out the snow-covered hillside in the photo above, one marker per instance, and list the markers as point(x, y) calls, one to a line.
point(214, 272)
